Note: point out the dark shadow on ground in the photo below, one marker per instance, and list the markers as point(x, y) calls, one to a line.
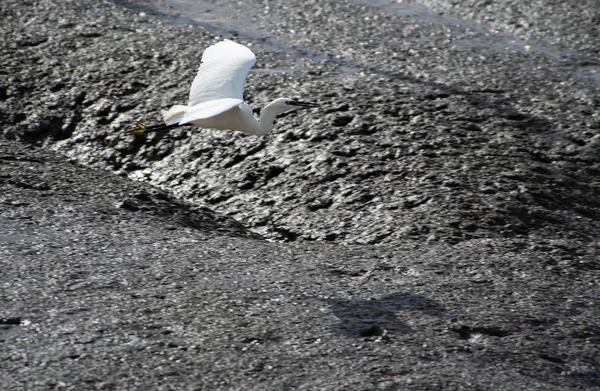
point(378, 317)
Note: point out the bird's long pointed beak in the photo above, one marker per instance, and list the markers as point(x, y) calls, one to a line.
point(304, 104)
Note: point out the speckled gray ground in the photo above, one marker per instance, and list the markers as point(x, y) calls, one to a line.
point(436, 221)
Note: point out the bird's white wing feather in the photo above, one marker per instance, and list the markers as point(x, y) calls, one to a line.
point(219, 84)
point(208, 109)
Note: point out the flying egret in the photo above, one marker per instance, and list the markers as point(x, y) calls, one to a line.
point(216, 96)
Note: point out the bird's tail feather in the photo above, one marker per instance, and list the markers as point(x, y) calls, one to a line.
point(174, 115)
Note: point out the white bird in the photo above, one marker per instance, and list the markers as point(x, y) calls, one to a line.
point(216, 96)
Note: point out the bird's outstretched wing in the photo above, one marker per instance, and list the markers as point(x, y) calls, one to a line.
point(219, 84)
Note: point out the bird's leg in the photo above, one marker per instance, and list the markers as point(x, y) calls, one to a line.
point(141, 128)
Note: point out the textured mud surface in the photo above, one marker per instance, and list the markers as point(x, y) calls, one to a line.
point(569, 26)
point(428, 130)
point(102, 289)
point(453, 171)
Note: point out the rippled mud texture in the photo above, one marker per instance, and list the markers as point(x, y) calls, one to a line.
point(568, 26)
point(106, 286)
point(443, 204)
point(429, 130)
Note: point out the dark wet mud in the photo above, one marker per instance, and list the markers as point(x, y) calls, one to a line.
point(429, 129)
point(433, 226)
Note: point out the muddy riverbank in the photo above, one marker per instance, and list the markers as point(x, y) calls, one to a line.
point(434, 226)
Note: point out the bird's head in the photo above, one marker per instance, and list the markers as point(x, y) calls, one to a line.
point(282, 105)
point(293, 103)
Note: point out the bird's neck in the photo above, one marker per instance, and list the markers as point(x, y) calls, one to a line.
point(267, 117)
point(266, 121)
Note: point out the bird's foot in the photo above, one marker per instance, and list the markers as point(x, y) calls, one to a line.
point(138, 129)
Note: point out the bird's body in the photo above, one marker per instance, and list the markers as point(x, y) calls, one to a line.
point(216, 96)
point(238, 118)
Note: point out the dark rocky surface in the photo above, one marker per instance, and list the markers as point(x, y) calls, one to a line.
point(453, 169)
